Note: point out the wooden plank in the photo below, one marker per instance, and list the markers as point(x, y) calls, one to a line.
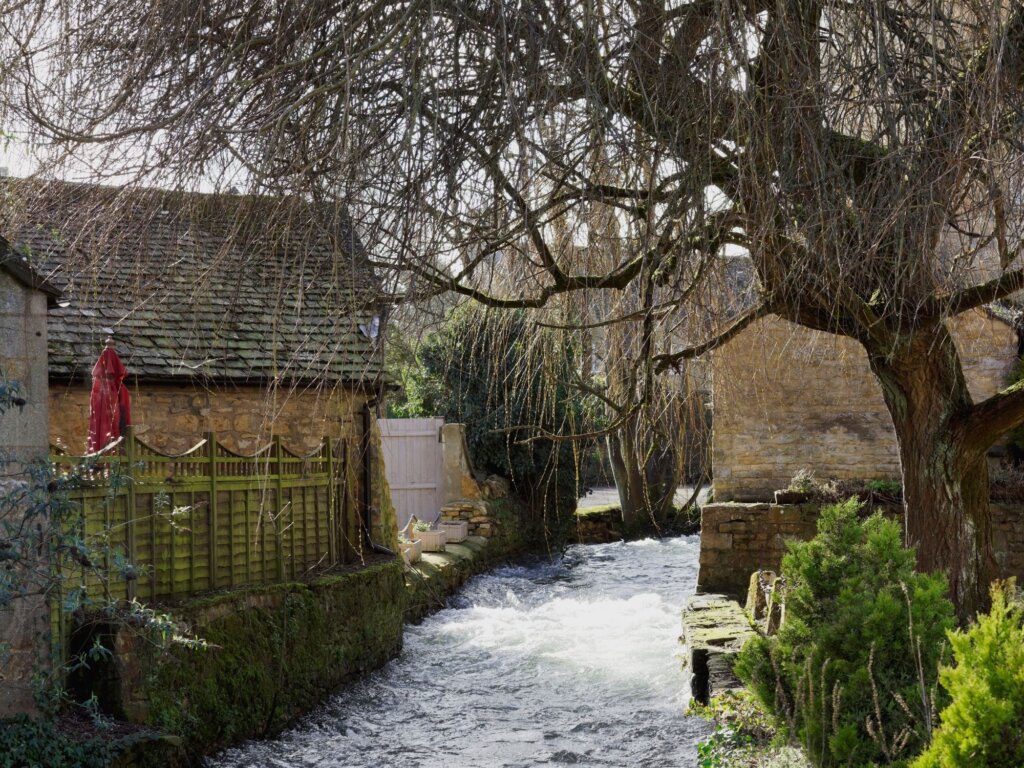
point(308, 499)
point(279, 504)
point(211, 450)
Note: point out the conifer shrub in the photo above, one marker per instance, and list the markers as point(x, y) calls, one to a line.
point(984, 721)
point(852, 672)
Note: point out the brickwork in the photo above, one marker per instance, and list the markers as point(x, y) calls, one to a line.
point(788, 398)
point(737, 539)
point(173, 418)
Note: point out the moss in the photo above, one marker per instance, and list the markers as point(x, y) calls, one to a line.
point(273, 653)
point(599, 511)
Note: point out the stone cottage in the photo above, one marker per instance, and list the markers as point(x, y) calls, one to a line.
point(242, 315)
point(247, 316)
point(788, 398)
point(25, 297)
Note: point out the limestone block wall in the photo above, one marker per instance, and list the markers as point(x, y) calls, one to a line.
point(173, 418)
point(1008, 538)
point(458, 481)
point(788, 398)
point(737, 539)
point(23, 438)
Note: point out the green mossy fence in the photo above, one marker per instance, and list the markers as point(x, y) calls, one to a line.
point(168, 527)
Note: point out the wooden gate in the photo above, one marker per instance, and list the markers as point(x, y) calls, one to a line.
point(414, 467)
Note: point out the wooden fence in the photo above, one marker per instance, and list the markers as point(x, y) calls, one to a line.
point(166, 527)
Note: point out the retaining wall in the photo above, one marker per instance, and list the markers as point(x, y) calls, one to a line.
point(273, 653)
point(738, 539)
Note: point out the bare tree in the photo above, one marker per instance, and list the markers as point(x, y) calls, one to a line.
point(864, 155)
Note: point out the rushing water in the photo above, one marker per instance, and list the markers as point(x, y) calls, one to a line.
point(568, 663)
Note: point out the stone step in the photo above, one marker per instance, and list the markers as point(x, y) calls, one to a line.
point(715, 628)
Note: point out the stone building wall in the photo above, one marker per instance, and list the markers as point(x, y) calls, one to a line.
point(787, 398)
point(24, 625)
point(173, 418)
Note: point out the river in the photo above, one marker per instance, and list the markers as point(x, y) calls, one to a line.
point(574, 662)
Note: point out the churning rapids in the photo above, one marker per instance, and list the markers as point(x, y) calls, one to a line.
point(568, 663)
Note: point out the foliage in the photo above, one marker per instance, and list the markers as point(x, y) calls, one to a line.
point(984, 721)
point(742, 727)
point(27, 743)
point(44, 550)
point(887, 487)
point(853, 669)
point(832, 490)
point(802, 482)
point(504, 379)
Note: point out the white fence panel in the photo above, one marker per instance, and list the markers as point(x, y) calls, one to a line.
point(414, 466)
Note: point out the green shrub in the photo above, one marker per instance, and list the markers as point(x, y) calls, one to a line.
point(853, 667)
point(984, 722)
point(26, 743)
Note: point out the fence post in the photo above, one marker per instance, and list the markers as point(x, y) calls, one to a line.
point(211, 449)
point(331, 515)
point(279, 455)
point(130, 455)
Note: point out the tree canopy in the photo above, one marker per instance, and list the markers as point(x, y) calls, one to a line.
point(863, 156)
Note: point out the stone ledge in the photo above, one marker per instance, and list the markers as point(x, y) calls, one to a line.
point(714, 630)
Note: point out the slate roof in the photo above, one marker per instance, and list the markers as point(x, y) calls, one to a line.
point(221, 287)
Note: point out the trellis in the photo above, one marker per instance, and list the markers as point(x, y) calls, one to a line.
point(169, 526)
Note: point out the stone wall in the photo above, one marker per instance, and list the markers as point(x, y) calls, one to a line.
point(788, 398)
point(173, 418)
point(737, 539)
point(273, 653)
point(23, 439)
point(458, 480)
point(1008, 538)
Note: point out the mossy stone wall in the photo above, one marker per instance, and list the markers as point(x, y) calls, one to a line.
point(273, 653)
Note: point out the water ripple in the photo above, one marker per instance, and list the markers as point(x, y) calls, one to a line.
point(572, 662)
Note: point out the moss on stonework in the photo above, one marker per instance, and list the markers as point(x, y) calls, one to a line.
point(385, 528)
point(274, 652)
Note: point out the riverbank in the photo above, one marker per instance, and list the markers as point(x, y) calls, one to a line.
point(270, 654)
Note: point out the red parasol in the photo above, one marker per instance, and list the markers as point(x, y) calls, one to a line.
point(110, 408)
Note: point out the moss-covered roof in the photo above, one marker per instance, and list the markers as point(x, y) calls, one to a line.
point(224, 287)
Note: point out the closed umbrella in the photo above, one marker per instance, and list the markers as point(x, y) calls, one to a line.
point(110, 409)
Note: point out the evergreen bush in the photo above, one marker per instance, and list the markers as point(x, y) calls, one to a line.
point(984, 721)
point(852, 670)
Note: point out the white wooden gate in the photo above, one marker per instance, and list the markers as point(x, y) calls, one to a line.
point(414, 466)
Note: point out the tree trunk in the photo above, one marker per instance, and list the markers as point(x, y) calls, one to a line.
point(645, 477)
point(945, 480)
point(627, 476)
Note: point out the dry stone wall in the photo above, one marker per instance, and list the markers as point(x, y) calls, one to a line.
point(787, 398)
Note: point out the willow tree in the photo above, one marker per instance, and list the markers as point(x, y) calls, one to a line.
point(864, 156)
